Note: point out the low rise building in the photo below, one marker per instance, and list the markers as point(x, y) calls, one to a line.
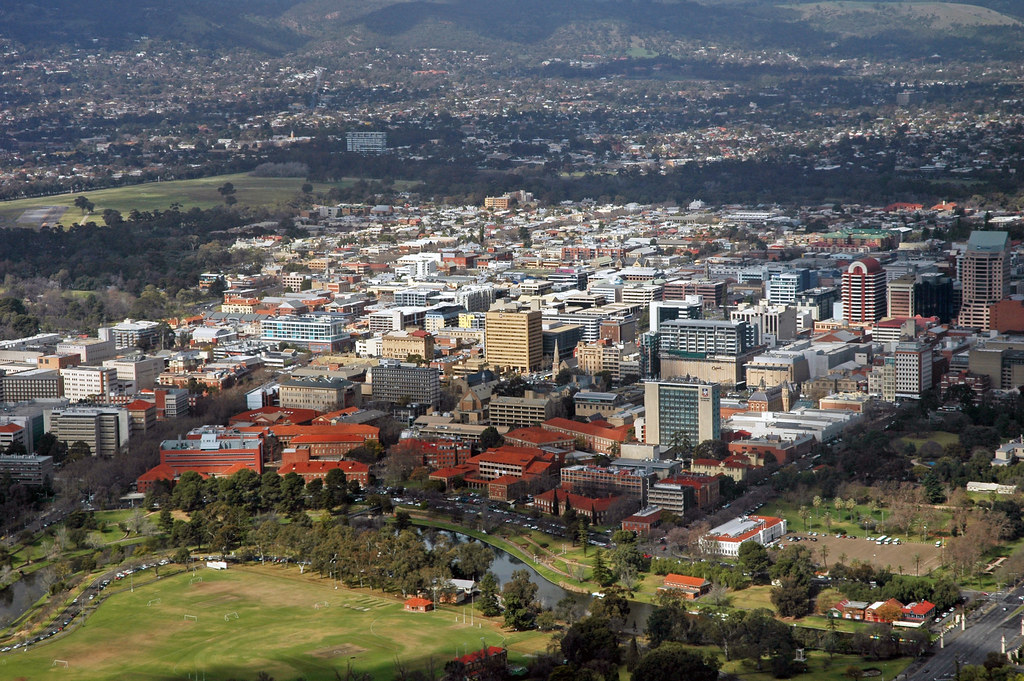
point(725, 540)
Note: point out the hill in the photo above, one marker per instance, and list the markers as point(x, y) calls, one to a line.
point(530, 28)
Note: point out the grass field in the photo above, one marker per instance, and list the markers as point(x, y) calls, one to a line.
point(939, 437)
point(277, 630)
point(251, 192)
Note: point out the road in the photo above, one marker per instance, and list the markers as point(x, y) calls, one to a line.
point(984, 632)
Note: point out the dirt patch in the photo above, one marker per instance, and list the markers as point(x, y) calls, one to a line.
point(340, 650)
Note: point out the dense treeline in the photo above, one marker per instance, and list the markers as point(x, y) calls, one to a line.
point(159, 247)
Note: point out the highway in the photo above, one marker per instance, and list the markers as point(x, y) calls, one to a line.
point(984, 632)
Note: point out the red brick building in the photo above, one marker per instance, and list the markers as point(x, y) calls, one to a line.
point(312, 469)
point(558, 500)
point(771, 450)
point(685, 586)
point(208, 451)
point(535, 436)
point(643, 521)
point(324, 441)
point(598, 436)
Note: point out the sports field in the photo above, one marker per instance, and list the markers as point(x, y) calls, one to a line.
point(253, 619)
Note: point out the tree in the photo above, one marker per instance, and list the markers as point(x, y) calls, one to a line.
point(166, 521)
point(590, 639)
point(490, 438)
point(489, 595)
point(82, 202)
point(753, 558)
point(672, 661)
point(78, 451)
point(307, 188)
point(791, 598)
point(519, 595)
point(600, 571)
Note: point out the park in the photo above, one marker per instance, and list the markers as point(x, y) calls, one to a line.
point(236, 623)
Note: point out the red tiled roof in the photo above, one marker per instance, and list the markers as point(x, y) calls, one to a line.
point(161, 472)
point(11, 428)
point(321, 466)
point(369, 432)
point(673, 579)
point(140, 405)
point(920, 609)
point(616, 433)
point(535, 435)
point(491, 651)
point(417, 602)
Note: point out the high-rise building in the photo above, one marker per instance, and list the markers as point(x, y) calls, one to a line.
point(985, 276)
point(675, 409)
point(901, 296)
point(864, 292)
point(933, 297)
point(709, 350)
point(818, 301)
point(514, 340)
point(783, 287)
point(707, 337)
point(777, 321)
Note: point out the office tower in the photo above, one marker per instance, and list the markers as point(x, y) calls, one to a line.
point(864, 292)
point(675, 409)
point(985, 276)
point(514, 340)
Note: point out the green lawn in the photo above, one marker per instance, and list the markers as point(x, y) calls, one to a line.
point(277, 630)
point(820, 667)
point(251, 192)
point(939, 437)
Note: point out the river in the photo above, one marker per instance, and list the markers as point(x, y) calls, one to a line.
point(20, 595)
point(549, 593)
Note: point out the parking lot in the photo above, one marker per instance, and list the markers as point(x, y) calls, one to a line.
point(908, 558)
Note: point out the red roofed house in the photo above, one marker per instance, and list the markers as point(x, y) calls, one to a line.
point(491, 658)
point(598, 436)
point(417, 604)
point(918, 612)
point(883, 611)
point(686, 586)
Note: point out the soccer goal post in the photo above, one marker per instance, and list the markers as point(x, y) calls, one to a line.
point(231, 616)
point(321, 604)
point(60, 663)
point(195, 580)
point(155, 601)
point(194, 618)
